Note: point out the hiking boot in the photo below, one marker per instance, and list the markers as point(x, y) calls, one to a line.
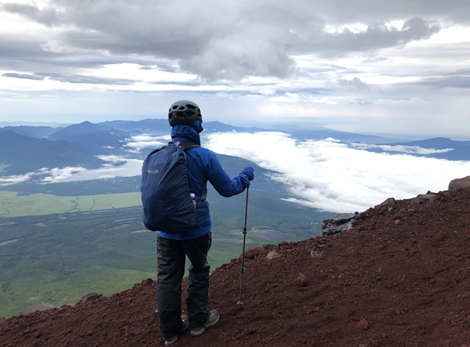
point(172, 340)
point(213, 319)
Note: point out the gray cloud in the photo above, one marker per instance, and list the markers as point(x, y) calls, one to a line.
point(29, 54)
point(359, 11)
point(236, 57)
point(47, 16)
point(70, 79)
point(90, 80)
point(377, 36)
point(24, 76)
point(461, 82)
point(232, 40)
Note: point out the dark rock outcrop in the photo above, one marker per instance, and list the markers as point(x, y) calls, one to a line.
point(347, 221)
point(387, 205)
point(338, 224)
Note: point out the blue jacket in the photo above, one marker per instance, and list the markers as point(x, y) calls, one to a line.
point(203, 166)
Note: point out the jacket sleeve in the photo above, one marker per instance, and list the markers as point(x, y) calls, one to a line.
point(222, 182)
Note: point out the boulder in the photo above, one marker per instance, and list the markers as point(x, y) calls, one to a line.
point(389, 202)
point(459, 183)
point(387, 205)
point(89, 297)
point(338, 224)
point(423, 198)
point(273, 255)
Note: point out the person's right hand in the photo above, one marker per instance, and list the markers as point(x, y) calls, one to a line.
point(249, 172)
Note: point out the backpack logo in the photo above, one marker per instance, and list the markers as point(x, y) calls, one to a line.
point(152, 171)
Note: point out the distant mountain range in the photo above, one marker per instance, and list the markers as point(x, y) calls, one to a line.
point(25, 154)
point(32, 131)
point(85, 128)
point(28, 148)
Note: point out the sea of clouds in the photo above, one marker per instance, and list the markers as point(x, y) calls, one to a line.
point(326, 174)
point(338, 177)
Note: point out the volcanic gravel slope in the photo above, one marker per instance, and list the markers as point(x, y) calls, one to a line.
point(400, 278)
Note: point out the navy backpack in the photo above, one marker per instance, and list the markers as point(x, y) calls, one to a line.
point(168, 205)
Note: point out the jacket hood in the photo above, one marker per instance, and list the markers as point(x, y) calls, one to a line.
point(184, 133)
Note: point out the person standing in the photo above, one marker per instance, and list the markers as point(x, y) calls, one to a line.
point(202, 165)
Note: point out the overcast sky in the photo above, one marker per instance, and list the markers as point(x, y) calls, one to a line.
point(376, 67)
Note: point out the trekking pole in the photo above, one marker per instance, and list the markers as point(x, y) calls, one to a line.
point(242, 271)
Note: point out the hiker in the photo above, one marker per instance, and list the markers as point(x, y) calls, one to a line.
point(202, 165)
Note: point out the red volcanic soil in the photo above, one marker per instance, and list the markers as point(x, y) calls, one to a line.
point(400, 278)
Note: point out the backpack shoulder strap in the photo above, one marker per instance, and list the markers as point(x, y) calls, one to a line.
point(186, 145)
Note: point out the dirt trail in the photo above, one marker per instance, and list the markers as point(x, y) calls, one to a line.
point(400, 278)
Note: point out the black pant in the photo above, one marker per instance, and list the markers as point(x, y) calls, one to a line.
point(171, 258)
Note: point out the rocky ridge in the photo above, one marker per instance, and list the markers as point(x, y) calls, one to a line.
point(400, 277)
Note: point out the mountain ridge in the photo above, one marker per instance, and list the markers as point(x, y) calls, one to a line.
point(26, 153)
point(399, 278)
point(79, 144)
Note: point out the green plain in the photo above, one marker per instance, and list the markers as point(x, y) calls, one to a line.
point(13, 205)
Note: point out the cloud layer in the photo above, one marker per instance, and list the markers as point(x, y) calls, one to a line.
point(231, 40)
point(127, 168)
point(335, 177)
